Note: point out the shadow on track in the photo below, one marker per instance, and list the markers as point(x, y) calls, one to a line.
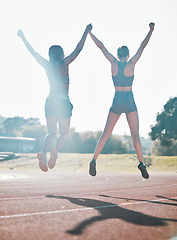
point(171, 199)
point(142, 200)
point(114, 212)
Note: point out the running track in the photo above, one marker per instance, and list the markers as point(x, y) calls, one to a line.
point(72, 205)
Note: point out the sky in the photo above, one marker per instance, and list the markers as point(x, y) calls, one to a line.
point(24, 85)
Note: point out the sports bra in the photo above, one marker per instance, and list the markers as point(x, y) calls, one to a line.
point(120, 80)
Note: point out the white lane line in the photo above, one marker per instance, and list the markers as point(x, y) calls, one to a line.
point(82, 209)
point(134, 189)
point(21, 198)
point(95, 193)
point(121, 190)
point(59, 211)
point(12, 176)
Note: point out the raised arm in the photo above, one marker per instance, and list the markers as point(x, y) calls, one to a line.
point(79, 46)
point(144, 43)
point(42, 61)
point(99, 44)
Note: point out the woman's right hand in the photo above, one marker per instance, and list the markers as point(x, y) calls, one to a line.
point(151, 25)
point(89, 28)
point(20, 33)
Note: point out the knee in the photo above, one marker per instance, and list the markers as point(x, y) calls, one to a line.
point(105, 136)
point(52, 134)
point(135, 137)
point(63, 135)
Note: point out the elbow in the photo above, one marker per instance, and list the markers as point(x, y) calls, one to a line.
point(143, 45)
point(100, 45)
point(79, 48)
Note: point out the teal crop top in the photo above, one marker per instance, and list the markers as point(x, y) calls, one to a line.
point(120, 80)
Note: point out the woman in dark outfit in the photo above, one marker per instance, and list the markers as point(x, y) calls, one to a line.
point(123, 102)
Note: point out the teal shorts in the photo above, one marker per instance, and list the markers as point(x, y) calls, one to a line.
point(59, 107)
point(123, 102)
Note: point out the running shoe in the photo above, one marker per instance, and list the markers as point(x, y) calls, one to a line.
point(143, 170)
point(92, 169)
point(53, 158)
point(42, 161)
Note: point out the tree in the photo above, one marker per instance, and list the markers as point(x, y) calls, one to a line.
point(10, 125)
point(85, 142)
point(73, 143)
point(114, 145)
point(159, 150)
point(129, 143)
point(38, 132)
point(166, 127)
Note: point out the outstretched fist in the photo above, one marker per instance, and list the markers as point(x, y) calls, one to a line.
point(89, 27)
point(20, 33)
point(151, 25)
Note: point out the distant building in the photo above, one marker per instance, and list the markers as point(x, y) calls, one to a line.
point(17, 144)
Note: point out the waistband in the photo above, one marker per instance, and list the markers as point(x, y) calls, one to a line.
point(123, 92)
point(53, 97)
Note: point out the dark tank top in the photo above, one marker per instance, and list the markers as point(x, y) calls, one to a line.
point(120, 80)
point(57, 81)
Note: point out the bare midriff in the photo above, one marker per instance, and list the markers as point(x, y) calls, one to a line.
point(123, 88)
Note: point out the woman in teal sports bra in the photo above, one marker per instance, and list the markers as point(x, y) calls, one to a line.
point(123, 102)
point(58, 108)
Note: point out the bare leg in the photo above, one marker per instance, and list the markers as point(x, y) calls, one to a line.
point(64, 126)
point(133, 122)
point(52, 126)
point(52, 129)
point(111, 121)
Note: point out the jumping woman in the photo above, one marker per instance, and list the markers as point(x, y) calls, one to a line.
point(58, 108)
point(123, 102)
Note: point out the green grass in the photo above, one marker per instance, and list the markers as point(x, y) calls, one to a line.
point(106, 162)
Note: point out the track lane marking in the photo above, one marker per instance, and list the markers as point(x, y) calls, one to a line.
point(75, 194)
point(82, 209)
point(22, 198)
